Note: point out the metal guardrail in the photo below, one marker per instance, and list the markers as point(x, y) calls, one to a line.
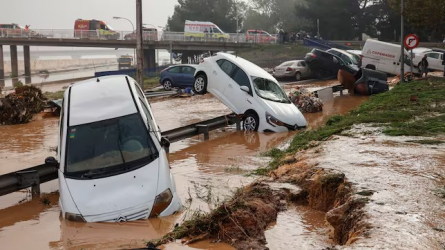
point(34, 176)
point(61, 34)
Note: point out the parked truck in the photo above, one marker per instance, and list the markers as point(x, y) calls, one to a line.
point(125, 62)
point(94, 29)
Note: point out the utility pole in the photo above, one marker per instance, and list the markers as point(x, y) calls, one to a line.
point(402, 40)
point(139, 46)
point(318, 28)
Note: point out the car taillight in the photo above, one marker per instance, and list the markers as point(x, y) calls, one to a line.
point(313, 55)
point(361, 58)
point(289, 69)
point(202, 60)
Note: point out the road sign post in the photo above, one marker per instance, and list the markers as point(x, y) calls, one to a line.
point(411, 42)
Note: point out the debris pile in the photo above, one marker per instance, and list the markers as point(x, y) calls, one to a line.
point(305, 100)
point(20, 106)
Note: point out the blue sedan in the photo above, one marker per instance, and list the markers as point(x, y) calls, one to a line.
point(178, 76)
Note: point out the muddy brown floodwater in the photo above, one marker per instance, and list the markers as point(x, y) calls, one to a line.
point(206, 172)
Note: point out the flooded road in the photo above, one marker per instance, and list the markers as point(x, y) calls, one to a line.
point(206, 173)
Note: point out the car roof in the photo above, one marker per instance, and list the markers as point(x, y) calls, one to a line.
point(99, 99)
point(250, 68)
point(293, 61)
point(178, 65)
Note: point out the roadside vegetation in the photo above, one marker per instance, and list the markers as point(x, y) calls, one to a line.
point(271, 55)
point(411, 109)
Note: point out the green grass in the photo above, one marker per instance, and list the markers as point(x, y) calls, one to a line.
point(150, 83)
point(394, 109)
point(54, 95)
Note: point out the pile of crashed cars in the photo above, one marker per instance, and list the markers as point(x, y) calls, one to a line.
point(335, 63)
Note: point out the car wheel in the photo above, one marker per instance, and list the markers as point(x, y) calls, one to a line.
point(200, 85)
point(251, 122)
point(167, 85)
point(298, 76)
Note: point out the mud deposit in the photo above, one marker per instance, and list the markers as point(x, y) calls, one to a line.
point(206, 173)
point(384, 191)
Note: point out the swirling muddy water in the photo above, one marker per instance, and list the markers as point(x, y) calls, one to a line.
point(206, 172)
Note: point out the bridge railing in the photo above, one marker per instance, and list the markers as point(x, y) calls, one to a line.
point(129, 35)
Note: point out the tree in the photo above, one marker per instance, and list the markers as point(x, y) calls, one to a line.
point(271, 15)
point(425, 16)
point(221, 12)
point(336, 17)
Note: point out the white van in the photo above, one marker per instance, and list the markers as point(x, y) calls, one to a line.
point(111, 160)
point(385, 57)
point(197, 31)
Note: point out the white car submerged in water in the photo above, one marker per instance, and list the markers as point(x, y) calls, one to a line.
point(250, 91)
point(112, 164)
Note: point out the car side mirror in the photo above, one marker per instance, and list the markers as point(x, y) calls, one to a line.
point(245, 89)
point(51, 161)
point(165, 143)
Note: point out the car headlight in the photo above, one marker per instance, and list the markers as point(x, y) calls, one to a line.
point(74, 217)
point(162, 201)
point(273, 121)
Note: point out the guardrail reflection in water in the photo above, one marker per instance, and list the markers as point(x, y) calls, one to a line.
point(128, 35)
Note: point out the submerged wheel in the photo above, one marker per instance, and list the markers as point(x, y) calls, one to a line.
point(298, 76)
point(167, 85)
point(200, 85)
point(251, 122)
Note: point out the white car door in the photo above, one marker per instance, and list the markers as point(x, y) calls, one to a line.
point(239, 100)
point(222, 76)
point(434, 61)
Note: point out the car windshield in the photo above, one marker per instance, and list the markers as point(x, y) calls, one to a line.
point(269, 90)
point(125, 59)
point(109, 146)
point(355, 58)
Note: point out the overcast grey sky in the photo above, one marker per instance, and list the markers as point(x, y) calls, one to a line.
point(60, 14)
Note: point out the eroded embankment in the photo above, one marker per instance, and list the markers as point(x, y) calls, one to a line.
point(243, 220)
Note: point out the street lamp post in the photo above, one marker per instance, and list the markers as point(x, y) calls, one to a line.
point(132, 26)
point(402, 59)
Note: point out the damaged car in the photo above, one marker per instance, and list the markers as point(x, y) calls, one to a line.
point(111, 162)
point(249, 91)
point(325, 65)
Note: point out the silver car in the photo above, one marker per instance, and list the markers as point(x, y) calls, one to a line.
point(297, 69)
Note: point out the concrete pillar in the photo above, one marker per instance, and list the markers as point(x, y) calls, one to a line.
point(14, 64)
point(2, 68)
point(150, 61)
point(27, 60)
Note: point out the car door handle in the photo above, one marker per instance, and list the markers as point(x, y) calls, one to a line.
point(230, 85)
point(214, 72)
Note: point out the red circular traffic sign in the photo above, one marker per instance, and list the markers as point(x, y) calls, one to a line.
point(411, 41)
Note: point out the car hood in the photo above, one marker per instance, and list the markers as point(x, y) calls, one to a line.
point(103, 200)
point(285, 112)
